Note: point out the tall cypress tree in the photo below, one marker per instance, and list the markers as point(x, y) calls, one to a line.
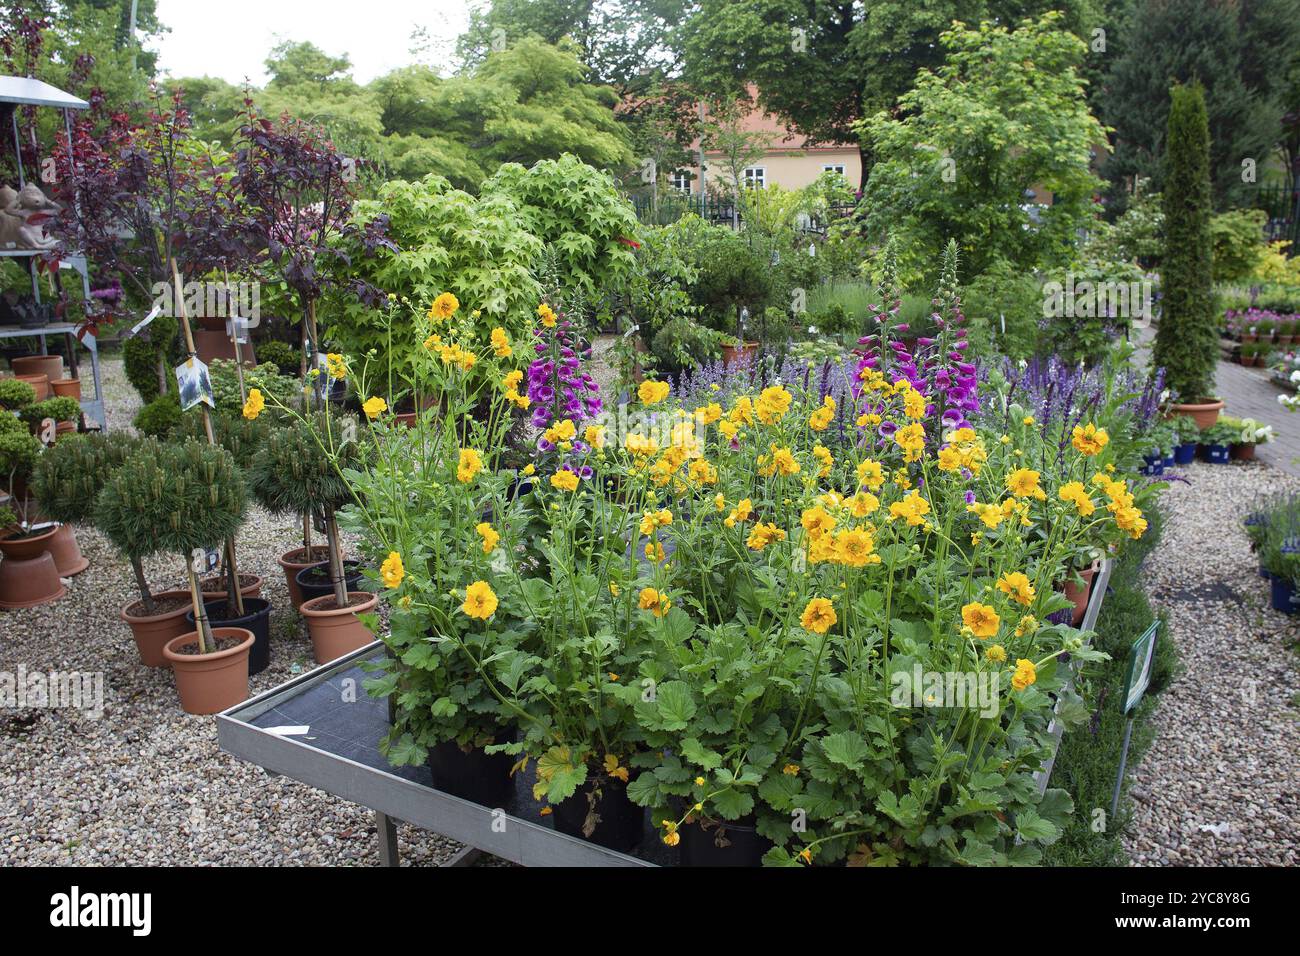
point(1187, 344)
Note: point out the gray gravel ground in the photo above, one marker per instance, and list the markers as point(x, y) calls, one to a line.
point(146, 783)
point(1219, 784)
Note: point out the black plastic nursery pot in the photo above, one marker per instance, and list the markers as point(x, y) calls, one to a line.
point(1282, 595)
point(722, 843)
point(314, 581)
point(1185, 454)
point(256, 618)
point(473, 775)
point(621, 823)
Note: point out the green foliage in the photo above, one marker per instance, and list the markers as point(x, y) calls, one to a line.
point(172, 498)
point(294, 472)
point(143, 355)
point(1187, 343)
point(15, 393)
point(70, 475)
point(18, 454)
point(12, 423)
point(1005, 114)
point(266, 376)
point(448, 241)
point(579, 215)
point(282, 355)
point(61, 408)
point(159, 417)
point(1237, 237)
point(1004, 311)
point(233, 432)
point(732, 275)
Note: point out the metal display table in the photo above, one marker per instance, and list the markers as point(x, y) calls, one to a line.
point(92, 407)
point(339, 753)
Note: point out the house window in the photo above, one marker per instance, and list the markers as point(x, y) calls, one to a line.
point(756, 176)
point(833, 168)
point(681, 181)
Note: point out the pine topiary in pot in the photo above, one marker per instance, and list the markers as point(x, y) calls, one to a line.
point(182, 499)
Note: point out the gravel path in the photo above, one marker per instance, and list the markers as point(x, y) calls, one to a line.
point(1218, 786)
point(146, 783)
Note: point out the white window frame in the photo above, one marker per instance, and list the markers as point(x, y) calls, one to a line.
point(833, 168)
point(755, 177)
point(681, 181)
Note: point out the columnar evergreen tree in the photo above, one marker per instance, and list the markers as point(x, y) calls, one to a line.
point(1187, 343)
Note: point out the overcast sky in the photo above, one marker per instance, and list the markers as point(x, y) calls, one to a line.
point(230, 38)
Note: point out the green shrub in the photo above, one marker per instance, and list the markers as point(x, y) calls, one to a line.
point(159, 417)
point(265, 376)
point(18, 454)
point(233, 432)
point(12, 423)
point(61, 408)
point(282, 355)
point(732, 275)
point(15, 393)
point(291, 472)
point(70, 475)
point(1238, 241)
point(1004, 311)
point(1187, 343)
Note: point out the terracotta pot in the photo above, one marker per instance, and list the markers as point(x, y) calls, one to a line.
point(64, 428)
point(27, 583)
point(337, 631)
point(1244, 451)
point(51, 366)
point(28, 548)
point(1204, 414)
point(250, 585)
point(405, 418)
point(65, 552)
point(296, 560)
point(732, 354)
point(40, 382)
point(210, 683)
point(1079, 594)
point(1285, 339)
point(152, 632)
point(68, 387)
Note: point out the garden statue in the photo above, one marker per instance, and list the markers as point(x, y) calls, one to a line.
point(21, 216)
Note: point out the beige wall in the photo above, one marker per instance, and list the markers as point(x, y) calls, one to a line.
point(788, 169)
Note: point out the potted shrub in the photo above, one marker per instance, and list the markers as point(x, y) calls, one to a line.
point(297, 471)
point(1188, 437)
point(25, 581)
point(60, 410)
point(1286, 331)
point(1217, 442)
point(1187, 342)
point(15, 394)
point(67, 479)
point(185, 499)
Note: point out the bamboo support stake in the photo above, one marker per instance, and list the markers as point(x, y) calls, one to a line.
point(200, 611)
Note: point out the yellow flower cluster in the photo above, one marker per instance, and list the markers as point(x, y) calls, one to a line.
point(1128, 517)
point(444, 307)
point(1089, 439)
point(254, 404)
point(821, 419)
point(652, 393)
point(510, 385)
point(773, 402)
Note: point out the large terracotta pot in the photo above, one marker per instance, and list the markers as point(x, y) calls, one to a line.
point(65, 552)
point(1244, 451)
point(26, 548)
point(51, 366)
point(337, 631)
point(153, 631)
point(67, 387)
point(732, 354)
point(1204, 414)
point(40, 382)
point(27, 583)
point(296, 560)
point(210, 683)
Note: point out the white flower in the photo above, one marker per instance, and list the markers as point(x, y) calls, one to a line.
point(1295, 377)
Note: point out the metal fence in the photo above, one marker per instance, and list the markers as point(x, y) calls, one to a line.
point(670, 206)
point(1283, 208)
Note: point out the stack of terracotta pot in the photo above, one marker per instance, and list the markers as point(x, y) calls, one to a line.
point(34, 563)
point(45, 373)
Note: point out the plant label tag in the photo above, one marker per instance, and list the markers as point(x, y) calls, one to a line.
point(1139, 667)
point(140, 326)
point(237, 329)
point(195, 384)
point(318, 522)
point(205, 560)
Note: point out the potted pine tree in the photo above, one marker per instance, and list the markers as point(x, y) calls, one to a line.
point(1187, 343)
point(299, 470)
point(186, 499)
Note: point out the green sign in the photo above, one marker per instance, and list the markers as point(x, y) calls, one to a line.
point(1140, 659)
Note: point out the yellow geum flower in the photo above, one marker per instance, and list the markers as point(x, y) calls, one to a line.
point(1027, 625)
point(547, 315)
point(997, 653)
point(391, 571)
point(594, 435)
point(821, 419)
point(480, 601)
point(650, 599)
point(654, 551)
point(744, 508)
point(1025, 674)
point(950, 459)
point(500, 343)
point(871, 475)
point(862, 504)
point(763, 535)
point(336, 365)
point(254, 405)
point(773, 402)
point(469, 465)
point(855, 547)
point(444, 307)
point(652, 393)
point(564, 480)
point(708, 414)
point(374, 407)
point(1089, 439)
point(990, 514)
point(489, 535)
point(912, 509)
point(817, 521)
point(1077, 494)
point(1023, 483)
point(981, 619)
point(818, 616)
point(1016, 586)
point(825, 461)
point(913, 403)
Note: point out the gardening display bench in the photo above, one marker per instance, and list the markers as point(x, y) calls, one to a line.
point(92, 407)
point(339, 753)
